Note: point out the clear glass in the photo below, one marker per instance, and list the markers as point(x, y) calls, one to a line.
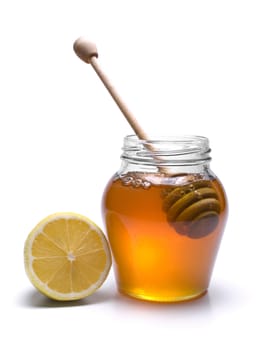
point(164, 213)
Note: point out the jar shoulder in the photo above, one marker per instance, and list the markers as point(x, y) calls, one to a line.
point(147, 179)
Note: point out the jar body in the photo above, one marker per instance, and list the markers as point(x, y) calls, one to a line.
point(164, 228)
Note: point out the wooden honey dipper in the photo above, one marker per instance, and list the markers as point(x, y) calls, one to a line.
point(192, 209)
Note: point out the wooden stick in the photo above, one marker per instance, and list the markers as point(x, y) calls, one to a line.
point(87, 51)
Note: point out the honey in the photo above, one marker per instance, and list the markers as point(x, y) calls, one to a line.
point(158, 256)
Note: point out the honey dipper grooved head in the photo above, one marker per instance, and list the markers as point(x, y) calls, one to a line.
point(193, 209)
point(85, 49)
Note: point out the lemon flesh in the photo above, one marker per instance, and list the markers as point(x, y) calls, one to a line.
point(67, 256)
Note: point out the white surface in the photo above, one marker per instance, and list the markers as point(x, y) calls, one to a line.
point(183, 67)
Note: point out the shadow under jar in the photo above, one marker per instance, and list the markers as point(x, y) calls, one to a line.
point(164, 213)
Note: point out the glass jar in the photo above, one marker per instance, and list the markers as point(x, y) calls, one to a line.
point(164, 213)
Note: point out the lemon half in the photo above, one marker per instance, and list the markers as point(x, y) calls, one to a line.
point(67, 256)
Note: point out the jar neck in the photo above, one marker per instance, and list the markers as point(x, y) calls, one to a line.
point(169, 154)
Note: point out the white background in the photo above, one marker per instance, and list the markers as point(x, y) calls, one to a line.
point(183, 67)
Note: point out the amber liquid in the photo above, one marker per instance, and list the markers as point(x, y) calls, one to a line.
point(152, 261)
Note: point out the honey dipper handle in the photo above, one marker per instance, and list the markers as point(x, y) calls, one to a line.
point(114, 94)
point(87, 51)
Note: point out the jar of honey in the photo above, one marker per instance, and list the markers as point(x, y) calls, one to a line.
point(164, 213)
